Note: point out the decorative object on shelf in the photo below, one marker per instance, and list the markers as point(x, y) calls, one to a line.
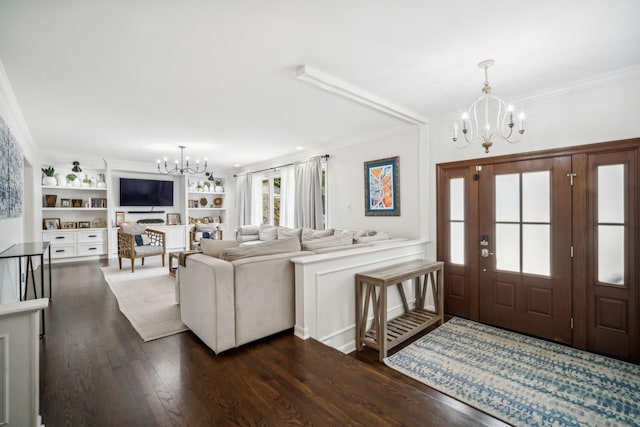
point(50, 200)
point(65, 203)
point(76, 203)
point(173, 219)
point(119, 218)
point(51, 223)
point(487, 111)
point(99, 223)
point(86, 182)
point(203, 202)
point(217, 202)
point(382, 187)
point(84, 224)
point(68, 224)
point(218, 185)
point(183, 167)
point(150, 221)
point(206, 186)
point(76, 167)
point(193, 204)
point(207, 219)
point(101, 183)
point(48, 178)
point(61, 179)
point(73, 180)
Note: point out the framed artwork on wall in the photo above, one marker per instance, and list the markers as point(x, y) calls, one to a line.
point(382, 187)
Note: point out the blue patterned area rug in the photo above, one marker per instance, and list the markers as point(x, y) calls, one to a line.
point(521, 380)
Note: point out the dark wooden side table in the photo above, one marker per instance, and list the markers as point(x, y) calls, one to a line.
point(384, 335)
point(28, 250)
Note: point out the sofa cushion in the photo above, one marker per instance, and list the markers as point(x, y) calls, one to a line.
point(342, 239)
point(289, 233)
point(147, 250)
point(210, 228)
point(372, 238)
point(214, 248)
point(266, 248)
point(247, 230)
point(248, 238)
point(268, 233)
point(311, 234)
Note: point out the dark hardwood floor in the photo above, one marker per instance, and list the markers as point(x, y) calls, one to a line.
point(96, 371)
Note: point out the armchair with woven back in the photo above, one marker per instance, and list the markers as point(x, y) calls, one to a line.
point(137, 241)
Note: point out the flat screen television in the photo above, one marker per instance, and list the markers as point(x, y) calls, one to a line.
point(145, 192)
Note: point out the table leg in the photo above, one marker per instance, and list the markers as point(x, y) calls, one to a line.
point(382, 319)
point(49, 267)
point(20, 281)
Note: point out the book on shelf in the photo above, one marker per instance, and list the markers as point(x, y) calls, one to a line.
point(97, 202)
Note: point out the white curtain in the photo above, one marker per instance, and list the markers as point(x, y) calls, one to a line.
point(287, 196)
point(256, 199)
point(243, 199)
point(308, 193)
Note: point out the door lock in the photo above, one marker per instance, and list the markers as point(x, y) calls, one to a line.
point(485, 253)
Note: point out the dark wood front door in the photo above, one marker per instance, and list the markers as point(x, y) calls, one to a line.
point(524, 247)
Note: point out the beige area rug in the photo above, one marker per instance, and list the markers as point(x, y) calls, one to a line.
point(147, 298)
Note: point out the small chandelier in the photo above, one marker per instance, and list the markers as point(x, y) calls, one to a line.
point(485, 112)
point(182, 168)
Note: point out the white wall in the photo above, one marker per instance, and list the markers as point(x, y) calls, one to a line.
point(600, 111)
point(346, 184)
point(16, 230)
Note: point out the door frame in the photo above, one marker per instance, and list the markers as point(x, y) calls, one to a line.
point(579, 155)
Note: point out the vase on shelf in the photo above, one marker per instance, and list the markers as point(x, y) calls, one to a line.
point(61, 180)
point(219, 189)
point(49, 181)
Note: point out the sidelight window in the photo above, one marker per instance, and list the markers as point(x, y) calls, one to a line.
point(456, 221)
point(611, 224)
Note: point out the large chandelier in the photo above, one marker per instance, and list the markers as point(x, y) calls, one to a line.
point(183, 167)
point(488, 118)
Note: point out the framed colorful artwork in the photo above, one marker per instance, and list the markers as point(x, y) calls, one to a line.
point(382, 187)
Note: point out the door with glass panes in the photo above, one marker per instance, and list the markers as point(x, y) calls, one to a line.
point(524, 247)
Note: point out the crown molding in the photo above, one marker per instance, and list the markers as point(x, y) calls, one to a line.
point(598, 80)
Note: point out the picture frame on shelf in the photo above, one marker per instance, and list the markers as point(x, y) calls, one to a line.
point(68, 225)
point(84, 224)
point(65, 203)
point(382, 187)
point(119, 218)
point(173, 219)
point(51, 223)
point(207, 220)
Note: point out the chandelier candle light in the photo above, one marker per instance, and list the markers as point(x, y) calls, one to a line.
point(182, 168)
point(486, 110)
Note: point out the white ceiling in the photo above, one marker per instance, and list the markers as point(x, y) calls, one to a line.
point(134, 79)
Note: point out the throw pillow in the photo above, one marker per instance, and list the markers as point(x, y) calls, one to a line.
point(342, 239)
point(373, 238)
point(289, 233)
point(141, 239)
point(214, 248)
point(268, 233)
point(266, 248)
point(205, 227)
point(311, 234)
point(134, 229)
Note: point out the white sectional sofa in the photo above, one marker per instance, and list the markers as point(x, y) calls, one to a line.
point(237, 292)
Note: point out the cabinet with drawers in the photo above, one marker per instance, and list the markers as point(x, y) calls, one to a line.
point(76, 243)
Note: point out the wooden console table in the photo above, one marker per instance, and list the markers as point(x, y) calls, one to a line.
point(384, 335)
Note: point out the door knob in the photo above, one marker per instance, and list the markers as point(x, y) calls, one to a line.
point(485, 253)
